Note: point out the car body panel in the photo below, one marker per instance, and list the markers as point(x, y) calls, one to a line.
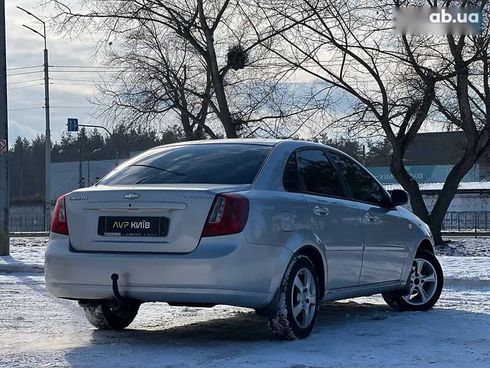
point(386, 240)
point(186, 208)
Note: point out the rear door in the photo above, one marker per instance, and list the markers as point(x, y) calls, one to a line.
point(333, 217)
point(384, 231)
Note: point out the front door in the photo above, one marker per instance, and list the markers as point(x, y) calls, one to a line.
point(384, 231)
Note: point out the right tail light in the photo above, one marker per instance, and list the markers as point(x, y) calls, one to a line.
point(228, 215)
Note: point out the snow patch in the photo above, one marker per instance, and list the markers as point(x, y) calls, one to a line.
point(26, 255)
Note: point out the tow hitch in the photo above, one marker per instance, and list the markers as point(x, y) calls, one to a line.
point(117, 295)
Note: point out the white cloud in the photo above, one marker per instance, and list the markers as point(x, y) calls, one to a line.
point(18, 130)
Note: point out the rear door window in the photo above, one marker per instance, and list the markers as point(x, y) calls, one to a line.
point(194, 164)
point(318, 174)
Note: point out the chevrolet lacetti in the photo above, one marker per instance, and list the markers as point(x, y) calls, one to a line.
point(274, 225)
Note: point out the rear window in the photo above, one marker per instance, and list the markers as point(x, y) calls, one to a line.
point(194, 164)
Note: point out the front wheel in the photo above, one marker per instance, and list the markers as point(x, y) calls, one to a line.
point(425, 285)
point(110, 314)
point(298, 305)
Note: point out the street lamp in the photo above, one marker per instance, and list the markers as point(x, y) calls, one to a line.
point(88, 163)
point(47, 194)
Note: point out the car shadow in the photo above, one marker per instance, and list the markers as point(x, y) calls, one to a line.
point(242, 326)
point(342, 326)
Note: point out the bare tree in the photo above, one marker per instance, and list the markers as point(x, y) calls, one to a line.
point(392, 84)
point(204, 60)
point(154, 79)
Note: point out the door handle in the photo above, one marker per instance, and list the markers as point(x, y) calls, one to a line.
point(369, 218)
point(321, 211)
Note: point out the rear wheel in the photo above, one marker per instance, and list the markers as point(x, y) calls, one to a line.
point(110, 314)
point(298, 302)
point(425, 285)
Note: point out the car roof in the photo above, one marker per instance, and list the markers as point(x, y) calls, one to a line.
point(294, 143)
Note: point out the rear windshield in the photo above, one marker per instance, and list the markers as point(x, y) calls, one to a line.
point(194, 164)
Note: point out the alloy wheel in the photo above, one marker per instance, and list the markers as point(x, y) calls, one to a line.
point(303, 297)
point(423, 282)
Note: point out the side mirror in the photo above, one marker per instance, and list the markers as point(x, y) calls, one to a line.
point(399, 197)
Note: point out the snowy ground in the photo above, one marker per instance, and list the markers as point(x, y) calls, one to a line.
point(466, 246)
point(37, 330)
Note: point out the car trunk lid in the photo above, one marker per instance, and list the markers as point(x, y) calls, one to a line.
point(145, 218)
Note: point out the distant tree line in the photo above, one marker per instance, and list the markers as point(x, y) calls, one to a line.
point(371, 153)
point(26, 161)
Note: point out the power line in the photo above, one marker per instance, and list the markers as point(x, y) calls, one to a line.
point(85, 71)
point(86, 66)
point(72, 80)
point(23, 73)
point(26, 81)
point(25, 108)
point(52, 107)
point(25, 67)
point(22, 87)
point(72, 107)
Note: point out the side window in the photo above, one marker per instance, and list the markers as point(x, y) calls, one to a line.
point(362, 185)
point(318, 174)
point(290, 178)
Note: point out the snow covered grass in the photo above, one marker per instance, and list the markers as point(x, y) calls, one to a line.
point(37, 330)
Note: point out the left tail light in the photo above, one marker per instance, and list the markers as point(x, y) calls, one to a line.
point(59, 224)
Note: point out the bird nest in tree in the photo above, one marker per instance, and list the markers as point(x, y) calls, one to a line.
point(237, 57)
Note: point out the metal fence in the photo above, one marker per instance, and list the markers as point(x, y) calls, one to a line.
point(27, 217)
point(467, 221)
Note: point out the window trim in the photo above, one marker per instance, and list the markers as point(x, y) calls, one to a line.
point(345, 188)
point(300, 182)
point(389, 205)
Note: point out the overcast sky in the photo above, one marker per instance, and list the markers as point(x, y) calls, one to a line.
point(72, 74)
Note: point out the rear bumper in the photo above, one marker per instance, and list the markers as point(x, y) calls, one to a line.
point(222, 270)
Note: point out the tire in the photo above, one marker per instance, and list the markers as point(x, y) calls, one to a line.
point(110, 314)
point(425, 282)
point(298, 309)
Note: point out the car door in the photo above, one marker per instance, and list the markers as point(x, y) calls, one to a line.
point(384, 230)
point(334, 219)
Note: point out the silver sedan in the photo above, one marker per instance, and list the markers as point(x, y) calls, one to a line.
point(274, 225)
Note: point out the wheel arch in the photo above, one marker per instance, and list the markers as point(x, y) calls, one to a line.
point(426, 245)
point(316, 258)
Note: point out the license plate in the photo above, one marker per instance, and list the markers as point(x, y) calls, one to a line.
point(132, 226)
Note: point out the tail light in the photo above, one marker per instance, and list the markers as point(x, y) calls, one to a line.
point(59, 224)
point(228, 215)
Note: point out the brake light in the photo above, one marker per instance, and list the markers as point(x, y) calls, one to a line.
point(59, 224)
point(228, 215)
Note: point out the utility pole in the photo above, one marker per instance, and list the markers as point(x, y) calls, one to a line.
point(80, 158)
point(4, 163)
point(47, 156)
